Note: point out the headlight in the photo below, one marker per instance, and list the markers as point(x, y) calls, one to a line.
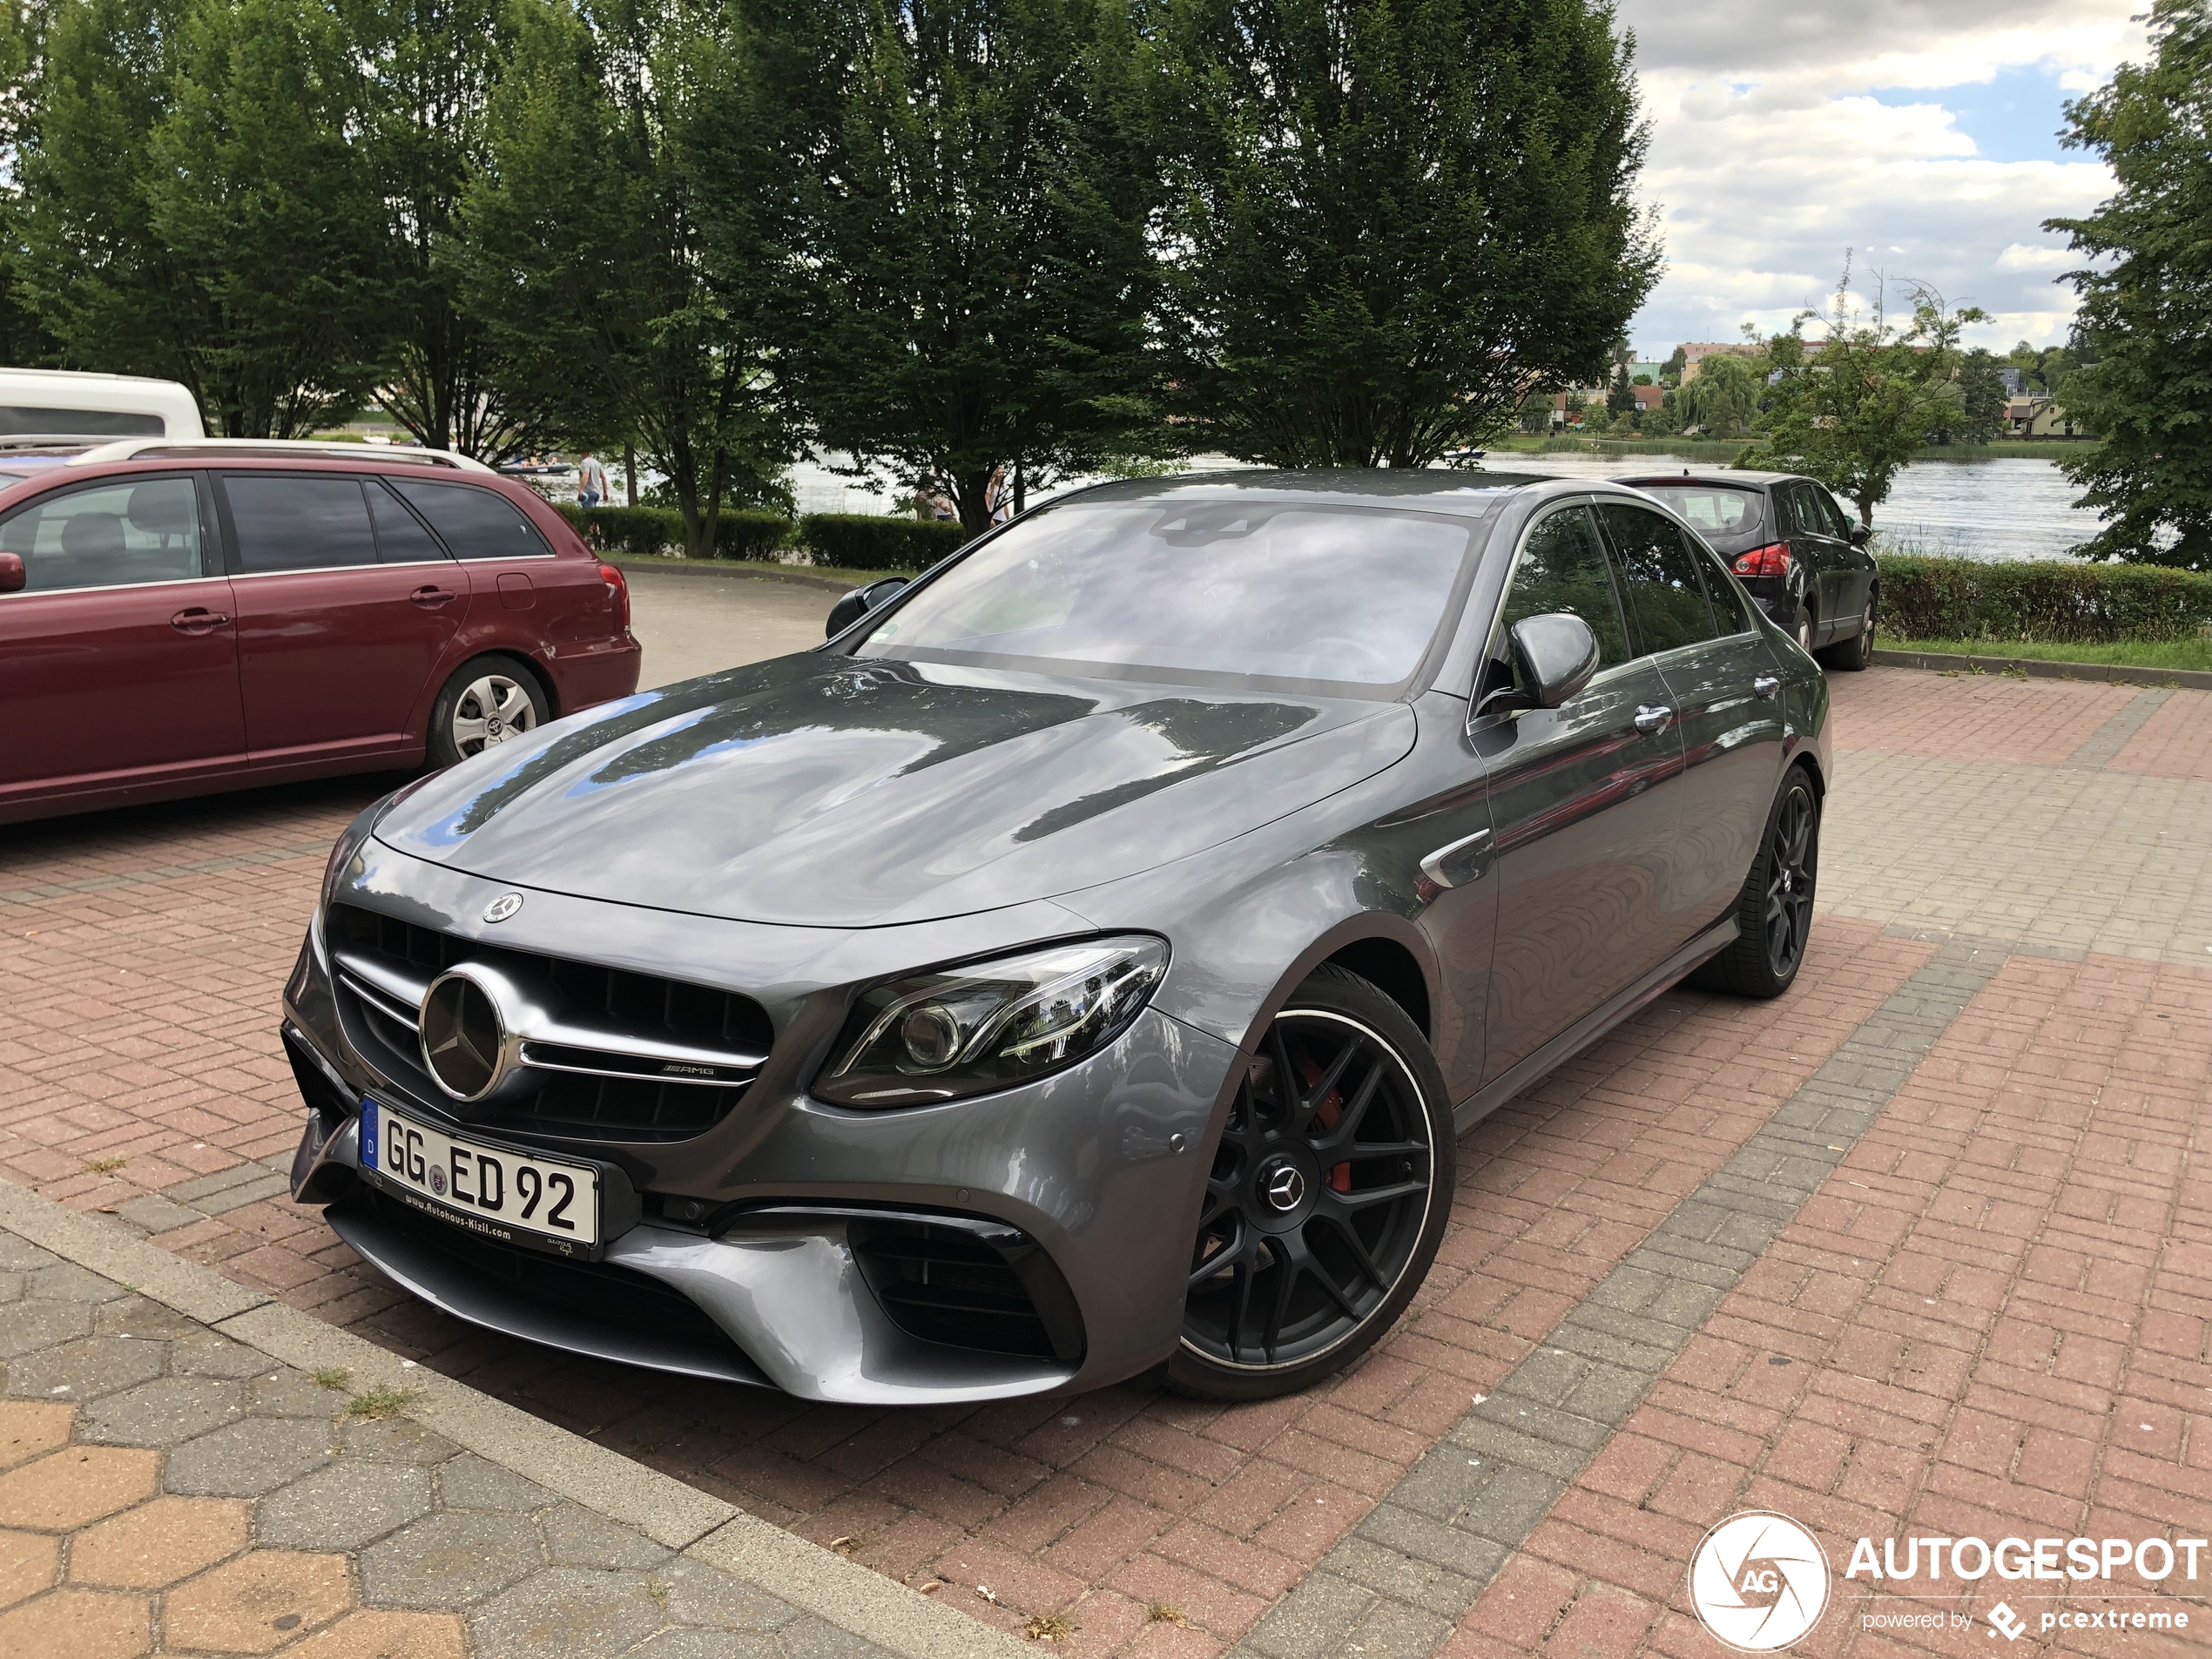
point(967, 1030)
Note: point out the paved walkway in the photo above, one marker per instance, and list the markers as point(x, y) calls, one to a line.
point(1919, 1248)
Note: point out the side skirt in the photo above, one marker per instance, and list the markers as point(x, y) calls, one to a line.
point(1592, 1026)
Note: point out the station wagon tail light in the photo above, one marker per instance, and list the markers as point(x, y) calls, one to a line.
point(1773, 559)
point(959, 1031)
point(618, 589)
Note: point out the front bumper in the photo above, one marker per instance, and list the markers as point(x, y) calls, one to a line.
point(1085, 1186)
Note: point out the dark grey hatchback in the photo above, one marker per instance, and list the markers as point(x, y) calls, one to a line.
point(1789, 544)
point(1083, 963)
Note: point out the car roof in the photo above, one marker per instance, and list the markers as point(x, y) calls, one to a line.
point(1467, 492)
point(1726, 478)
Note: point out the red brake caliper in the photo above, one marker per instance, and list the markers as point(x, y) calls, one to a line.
point(1328, 1114)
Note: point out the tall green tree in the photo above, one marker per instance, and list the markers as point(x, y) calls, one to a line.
point(430, 67)
point(1394, 219)
point(2145, 314)
point(1723, 399)
point(587, 264)
point(195, 206)
point(965, 248)
point(1854, 408)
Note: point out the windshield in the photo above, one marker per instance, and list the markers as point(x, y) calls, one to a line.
point(1271, 597)
point(1716, 512)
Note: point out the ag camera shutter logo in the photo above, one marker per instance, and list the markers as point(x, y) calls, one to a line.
point(1759, 1581)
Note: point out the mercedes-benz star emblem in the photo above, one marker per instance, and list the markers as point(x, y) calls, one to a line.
point(1285, 1187)
point(461, 1036)
point(503, 907)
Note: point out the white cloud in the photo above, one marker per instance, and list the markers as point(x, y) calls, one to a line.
point(1770, 157)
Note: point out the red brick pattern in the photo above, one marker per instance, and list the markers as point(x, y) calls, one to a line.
point(1995, 1319)
point(1974, 717)
point(2175, 742)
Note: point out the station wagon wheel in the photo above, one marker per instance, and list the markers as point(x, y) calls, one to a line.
point(1325, 1199)
point(484, 704)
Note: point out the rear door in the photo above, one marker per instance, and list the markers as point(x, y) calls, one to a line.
point(1695, 627)
point(1823, 557)
point(1585, 805)
point(345, 607)
point(509, 567)
point(1854, 566)
point(119, 657)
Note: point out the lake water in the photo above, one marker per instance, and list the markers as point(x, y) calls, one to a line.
point(2009, 509)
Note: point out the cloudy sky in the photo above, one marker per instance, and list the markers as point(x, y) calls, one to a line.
point(1918, 133)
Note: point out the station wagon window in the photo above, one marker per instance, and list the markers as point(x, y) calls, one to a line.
point(401, 538)
point(474, 524)
point(298, 522)
point(1666, 600)
point(108, 536)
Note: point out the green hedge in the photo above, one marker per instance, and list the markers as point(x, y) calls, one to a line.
point(2087, 605)
point(866, 541)
point(654, 531)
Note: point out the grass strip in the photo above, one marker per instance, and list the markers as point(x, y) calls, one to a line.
point(2189, 654)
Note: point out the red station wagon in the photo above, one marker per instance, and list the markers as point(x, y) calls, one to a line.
point(182, 617)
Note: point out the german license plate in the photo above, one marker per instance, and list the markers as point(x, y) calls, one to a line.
point(492, 1190)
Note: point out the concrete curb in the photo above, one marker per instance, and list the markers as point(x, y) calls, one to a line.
point(796, 573)
point(2036, 668)
point(665, 1510)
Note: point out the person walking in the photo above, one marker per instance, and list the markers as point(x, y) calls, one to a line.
point(998, 495)
point(591, 486)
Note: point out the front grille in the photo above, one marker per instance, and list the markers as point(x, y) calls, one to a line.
point(944, 1282)
point(599, 1291)
point(579, 1093)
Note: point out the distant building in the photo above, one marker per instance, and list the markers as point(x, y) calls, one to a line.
point(1694, 355)
point(2015, 379)
point(1649, 397)
point(2039, 417)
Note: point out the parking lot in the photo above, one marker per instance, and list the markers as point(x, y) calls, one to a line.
point(1987, 1315)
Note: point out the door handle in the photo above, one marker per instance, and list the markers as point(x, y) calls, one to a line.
point(432, 596)
point(197, 620)
point(1766, 684)
point(1650, 720)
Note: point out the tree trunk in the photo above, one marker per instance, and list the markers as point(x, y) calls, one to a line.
point(629, 474)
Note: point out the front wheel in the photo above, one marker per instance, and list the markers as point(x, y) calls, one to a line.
point(1774, 910)
point(487, 702)
point(1327, 1198)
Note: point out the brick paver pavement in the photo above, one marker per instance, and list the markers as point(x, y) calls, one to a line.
point(2076, 829)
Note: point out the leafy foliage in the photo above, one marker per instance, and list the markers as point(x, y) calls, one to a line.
point(587, 264)
point(1928, 598)
point(868, 542)
point(653, 532)
point(2145, 315)
point(965, 252)
point(1723, 399)
point(1393, 219)
point(1853, 409)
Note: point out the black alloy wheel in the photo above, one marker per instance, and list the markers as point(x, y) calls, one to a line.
point(1327, 1198)
point(1857, 652)
point(1774, 909)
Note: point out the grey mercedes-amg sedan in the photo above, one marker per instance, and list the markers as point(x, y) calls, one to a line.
point(1082, 963)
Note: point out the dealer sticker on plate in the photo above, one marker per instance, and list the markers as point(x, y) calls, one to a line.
point(486, 1188)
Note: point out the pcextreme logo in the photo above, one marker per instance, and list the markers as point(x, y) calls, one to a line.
point(1759, 1581)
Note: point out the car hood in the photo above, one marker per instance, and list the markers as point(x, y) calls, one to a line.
point(823, 790)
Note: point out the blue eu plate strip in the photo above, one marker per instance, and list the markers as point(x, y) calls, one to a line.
point(368, 1134)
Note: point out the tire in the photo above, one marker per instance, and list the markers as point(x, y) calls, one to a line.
point(1804, 631)
point(1774, 910)
point(1853, 654)
point(1292, 1191)
point(460, 724)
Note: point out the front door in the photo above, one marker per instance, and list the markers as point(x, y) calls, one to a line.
point(1696, 626)
point(118, 660)
point(345, 607)
point(1585, 803)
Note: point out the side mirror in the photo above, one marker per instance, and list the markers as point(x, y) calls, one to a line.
point(1555, 654)
point(1860, 536)
point(13, 578)
point(857, 603)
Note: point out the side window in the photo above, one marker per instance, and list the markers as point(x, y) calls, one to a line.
point(474, 524)
point(1838, 525)
point(298, 522)
point(1561, 568)
point(401, 538)
point(1729, 613)
point(109, 536)
point(1659, 582)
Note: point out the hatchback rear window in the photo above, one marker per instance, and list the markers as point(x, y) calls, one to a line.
point(474, 524)
point(1714, 510)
